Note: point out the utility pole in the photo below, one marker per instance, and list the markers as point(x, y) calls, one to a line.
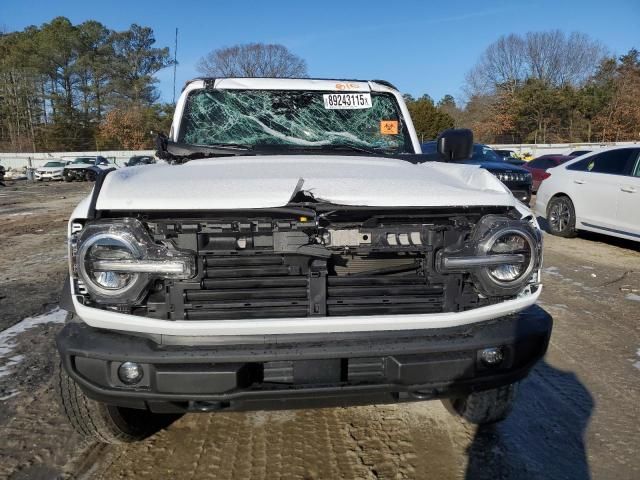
point(175, 65)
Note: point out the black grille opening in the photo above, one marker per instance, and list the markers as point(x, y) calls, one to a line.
point(284, 286)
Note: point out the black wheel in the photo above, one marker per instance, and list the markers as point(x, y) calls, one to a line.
point(105, 423)
point(485, 407)
point(561, 217)
point(90, 176)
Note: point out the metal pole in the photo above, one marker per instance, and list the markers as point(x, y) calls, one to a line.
point(175, 64)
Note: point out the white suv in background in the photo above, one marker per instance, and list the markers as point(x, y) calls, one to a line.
point(599, 192)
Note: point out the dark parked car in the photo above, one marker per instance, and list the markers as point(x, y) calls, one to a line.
point(140, 160)
point(505, 153)
point(577, 153)
point(2, 176)
point(538, 167)
point(79, 169)
point(509, 156)
point(516, 178)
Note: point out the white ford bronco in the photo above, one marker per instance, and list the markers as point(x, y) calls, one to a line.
point(296, 249)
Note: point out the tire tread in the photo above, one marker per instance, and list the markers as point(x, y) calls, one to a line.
point(88, 417)
point(485, 407)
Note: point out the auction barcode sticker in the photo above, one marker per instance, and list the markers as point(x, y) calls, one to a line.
point(346, 101)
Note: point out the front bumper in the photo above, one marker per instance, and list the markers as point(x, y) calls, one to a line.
point(75, 173)
point(288, 371)
point(522, 193)
point(48, 176)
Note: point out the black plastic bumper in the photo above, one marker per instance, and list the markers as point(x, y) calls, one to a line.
point(522, 193)
point(311, 370)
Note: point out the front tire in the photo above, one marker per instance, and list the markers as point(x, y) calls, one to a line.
point(105, 423)
point(561, 217)
point(484, 407)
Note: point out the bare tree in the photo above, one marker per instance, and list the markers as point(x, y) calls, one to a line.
point(552, 57)
point(253, 60)
point(502, 63)
point(581, 57)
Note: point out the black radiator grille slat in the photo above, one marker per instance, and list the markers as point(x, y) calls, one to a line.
point(384, 290)
point(260, 282)
point(342, 310)
point(240, 294)
point(382, 300)
point(278, 286)
point(380, 295)
point(260, 303)
point(257, 271)
point(213, 314)
point(236, 261)
point(375, 280)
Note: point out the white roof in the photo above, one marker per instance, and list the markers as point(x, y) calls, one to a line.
point(291, 84)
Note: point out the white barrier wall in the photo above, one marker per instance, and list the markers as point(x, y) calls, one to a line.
point(556, 148)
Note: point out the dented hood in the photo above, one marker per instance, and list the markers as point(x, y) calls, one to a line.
point(271, 181)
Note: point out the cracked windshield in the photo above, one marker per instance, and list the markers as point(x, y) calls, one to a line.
point(299, 119)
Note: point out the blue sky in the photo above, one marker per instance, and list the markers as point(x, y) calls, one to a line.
point(420, 46)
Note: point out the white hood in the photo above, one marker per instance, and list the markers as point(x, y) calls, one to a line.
point(49, 169)
point(271, 181)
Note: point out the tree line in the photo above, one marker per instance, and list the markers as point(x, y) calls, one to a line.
point(549, 87)
point(85, 87)
point(78, 87)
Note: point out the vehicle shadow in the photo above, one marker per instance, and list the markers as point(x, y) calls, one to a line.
point(544, 435)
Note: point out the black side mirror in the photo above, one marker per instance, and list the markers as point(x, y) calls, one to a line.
point(455, 144)
point(161, 146)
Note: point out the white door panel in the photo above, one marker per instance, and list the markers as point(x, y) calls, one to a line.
point(595, 197)
point(628, 212)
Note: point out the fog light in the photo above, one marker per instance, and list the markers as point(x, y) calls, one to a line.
point(130, 373)
point(492, 356)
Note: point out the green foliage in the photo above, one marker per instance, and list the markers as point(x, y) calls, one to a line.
point(447, 101)
point(58, 80)
point(428, 119)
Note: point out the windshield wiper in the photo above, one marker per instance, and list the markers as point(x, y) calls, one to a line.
point(182, 152)
point(353, 148)
point(336, 148)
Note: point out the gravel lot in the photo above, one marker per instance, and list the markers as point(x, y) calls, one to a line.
point(576, 416)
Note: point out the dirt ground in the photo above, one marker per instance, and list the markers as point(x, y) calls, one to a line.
point(576, 415)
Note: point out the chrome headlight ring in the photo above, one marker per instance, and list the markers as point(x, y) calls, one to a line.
point(501, 256)
point(87, 272)
point(117, 261)
point(527, 248)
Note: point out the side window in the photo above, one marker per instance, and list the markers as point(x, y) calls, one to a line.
point(613, 162)
point(547, 163)
point(538, 163)
point(636, 170)
point(580, 166)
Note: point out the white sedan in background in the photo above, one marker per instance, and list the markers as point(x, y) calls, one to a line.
point(50, 170)
point(599, 192)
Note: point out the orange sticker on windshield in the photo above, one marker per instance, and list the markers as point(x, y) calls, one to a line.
point(389, 127)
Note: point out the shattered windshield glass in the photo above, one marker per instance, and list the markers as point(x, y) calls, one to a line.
point(293, 118)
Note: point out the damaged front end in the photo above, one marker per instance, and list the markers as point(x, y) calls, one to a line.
point(304, 260)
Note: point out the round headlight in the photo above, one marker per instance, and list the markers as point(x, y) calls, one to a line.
point(514, 244)
point(505, 242)
point(105, 247)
